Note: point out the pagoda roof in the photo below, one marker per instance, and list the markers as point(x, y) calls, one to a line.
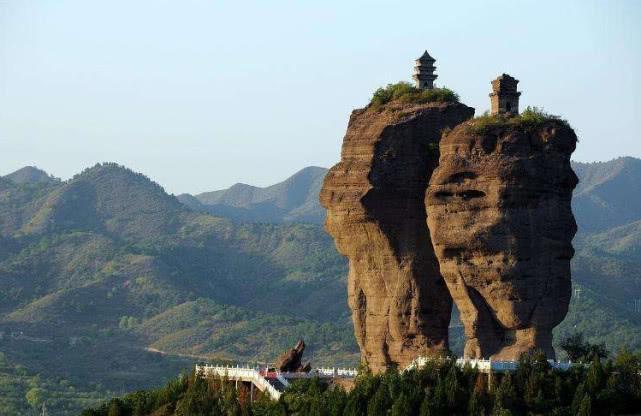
point(506, 77)
point(426, 57)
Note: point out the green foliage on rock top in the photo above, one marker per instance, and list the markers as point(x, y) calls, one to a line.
point(530, 119)
point(405, 92)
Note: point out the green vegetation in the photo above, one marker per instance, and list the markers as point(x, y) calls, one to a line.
point(405, 92)
point(440, 388)
point(530, 119)
point(22, 392)
point(96, 269)
point(579, 350)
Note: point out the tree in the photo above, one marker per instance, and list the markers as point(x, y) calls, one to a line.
point(116, 408)
point(336, 399)
point(505, 396)
point(579, 394)
point(595, 379)
point(35, 397)
point(426, 406)
point(578, 349)
point(454, 390)
point(478, 399)
point(401, 406)
point(380, 403)
point(586, 406)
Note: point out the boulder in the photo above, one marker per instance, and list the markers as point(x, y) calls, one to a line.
point(292, 360)
point(376, 214)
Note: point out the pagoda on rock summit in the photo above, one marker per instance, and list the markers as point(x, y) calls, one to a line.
point(424, 72)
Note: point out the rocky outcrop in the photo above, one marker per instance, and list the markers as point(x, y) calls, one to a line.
point(292, 360)
point(502, 227)
point(376, 214)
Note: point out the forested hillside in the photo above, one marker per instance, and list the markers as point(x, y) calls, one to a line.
point(96, 269)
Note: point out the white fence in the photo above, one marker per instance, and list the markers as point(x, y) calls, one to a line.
point(325, 373)
point(259, 375)
point(484, 365)
point(251, 375)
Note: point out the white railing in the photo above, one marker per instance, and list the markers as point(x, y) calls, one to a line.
point(256, 375)
point(325, 373)
point(484, 365)
point(238, 373)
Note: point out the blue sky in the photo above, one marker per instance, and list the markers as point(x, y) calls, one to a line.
point(199, 95)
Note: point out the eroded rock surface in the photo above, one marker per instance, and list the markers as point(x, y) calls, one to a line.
point(502, 228)
point(376, 214)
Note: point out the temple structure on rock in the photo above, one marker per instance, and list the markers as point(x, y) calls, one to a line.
point(504, 96)
point(424, 72)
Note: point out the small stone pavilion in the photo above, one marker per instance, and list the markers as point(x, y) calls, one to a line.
point(504, 96)
point(424, 72)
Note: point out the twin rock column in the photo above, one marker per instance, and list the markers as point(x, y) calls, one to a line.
point(497, 202)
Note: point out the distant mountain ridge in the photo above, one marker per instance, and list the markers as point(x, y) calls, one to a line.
point(101, 266)
point(606, 205)
point(293, 200)
point(30, 175)
point(106, 264)
point(608, 193)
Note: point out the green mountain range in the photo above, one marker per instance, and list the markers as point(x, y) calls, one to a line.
point(293, 200)
point(109, 284)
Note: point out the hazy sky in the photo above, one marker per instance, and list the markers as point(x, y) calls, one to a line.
point(199, 95)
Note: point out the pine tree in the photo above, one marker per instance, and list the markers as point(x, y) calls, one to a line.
point(116, 408)
point(478, 398)
point(426, 406)
point(595, 378)
point(401, 406)
point(317, 407)
point(336, 399)
point(380, 403)
point(505, 396)
point(453, 390)
point(586, 406)
point(579, 394)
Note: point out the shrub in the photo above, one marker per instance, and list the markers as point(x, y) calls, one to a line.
point(530, 119)
point(406, 93)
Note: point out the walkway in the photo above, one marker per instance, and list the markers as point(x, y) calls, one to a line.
point(272, 382)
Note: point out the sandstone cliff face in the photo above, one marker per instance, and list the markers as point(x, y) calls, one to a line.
point(502, 227)
point(376, 214)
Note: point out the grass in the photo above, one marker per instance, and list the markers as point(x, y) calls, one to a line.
point(405, 92)
point(530, 119)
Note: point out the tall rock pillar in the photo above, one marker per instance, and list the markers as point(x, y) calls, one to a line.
point(376, 213)
point(502, 227)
